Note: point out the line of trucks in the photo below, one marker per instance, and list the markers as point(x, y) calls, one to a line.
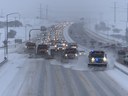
point(67, 50)
point(56, 46)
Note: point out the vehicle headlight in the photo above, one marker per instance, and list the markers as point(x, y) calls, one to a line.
point(104, 59)
point(76, 55)
point(63, 44)
point(66, 55)
point(93, 59)
point(80, 53)
point(55, 45)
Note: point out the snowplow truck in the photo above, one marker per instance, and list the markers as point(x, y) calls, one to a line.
point(97, 58)
point(31, 45)
point(42, 49)
point(72, 45)
point(70, 53)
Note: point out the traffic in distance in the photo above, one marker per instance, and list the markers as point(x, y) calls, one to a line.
point(53, 45)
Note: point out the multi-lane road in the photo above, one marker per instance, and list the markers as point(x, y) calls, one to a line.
point(40, 77)
point(43, 77)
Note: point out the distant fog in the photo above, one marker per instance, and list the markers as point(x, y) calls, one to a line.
point(93, 9)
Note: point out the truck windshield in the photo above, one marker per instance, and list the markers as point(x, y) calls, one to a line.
point(42, 47)
point(70, 51)
point(97, 55)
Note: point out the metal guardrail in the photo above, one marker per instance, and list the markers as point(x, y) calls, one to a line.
point(3, 62)
point(126, 73)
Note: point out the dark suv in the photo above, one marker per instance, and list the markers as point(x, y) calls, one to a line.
point(70, 53)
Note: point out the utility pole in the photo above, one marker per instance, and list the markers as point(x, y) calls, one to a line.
point(47, 12)
point(25, 32)
point(126, 34)
point(127, 15)
point(127, 12)
point(1, 15)
point(40, 11)
point(115, 12)
point(15, 21)
point(6, 34)
point(40, 14)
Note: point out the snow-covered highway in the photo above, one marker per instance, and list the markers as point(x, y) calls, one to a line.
point(23, 76)
point(37, 77)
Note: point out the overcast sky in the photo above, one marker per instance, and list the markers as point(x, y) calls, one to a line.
point(62, 8)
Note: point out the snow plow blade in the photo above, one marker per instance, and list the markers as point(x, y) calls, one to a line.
point(97, 64)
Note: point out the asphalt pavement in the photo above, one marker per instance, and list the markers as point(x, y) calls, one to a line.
point(40, 77)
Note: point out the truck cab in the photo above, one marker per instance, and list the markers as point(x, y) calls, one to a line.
point(60, 47)
point(70, 53)
point(97, 58)
point(42, 49)
point(72, 45)
point(31, 45)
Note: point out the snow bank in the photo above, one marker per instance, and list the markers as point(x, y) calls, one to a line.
point(119, 77)
point(122, 68)
point(23, 32)
point(9, 71)
point(107, 34)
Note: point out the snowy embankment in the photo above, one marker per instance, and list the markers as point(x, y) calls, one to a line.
point(14, 72)
point(67, 38)
point(119, 77)
point(21, 32)
point(119, 74)
point(102, 38)
point(9, 71)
